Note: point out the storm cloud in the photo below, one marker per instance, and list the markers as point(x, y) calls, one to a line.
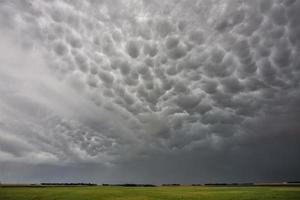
point(149, 91)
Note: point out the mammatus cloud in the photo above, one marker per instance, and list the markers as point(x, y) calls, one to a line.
point(188, 91)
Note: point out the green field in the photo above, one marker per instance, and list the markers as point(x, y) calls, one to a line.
point(151, 193)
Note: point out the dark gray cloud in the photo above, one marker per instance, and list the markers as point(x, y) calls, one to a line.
point(149, 91)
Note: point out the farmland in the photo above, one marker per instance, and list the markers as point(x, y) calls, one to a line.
point(150, 193)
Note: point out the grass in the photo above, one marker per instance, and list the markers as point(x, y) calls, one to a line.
point(150, 193)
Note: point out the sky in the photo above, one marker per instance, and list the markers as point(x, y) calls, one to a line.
point(149, 91)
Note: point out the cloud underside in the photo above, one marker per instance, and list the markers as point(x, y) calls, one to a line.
point(195, 88)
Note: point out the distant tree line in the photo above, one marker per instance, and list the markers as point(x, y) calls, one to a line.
point(290, 183)
point(229, 184)
point(130, 185)
point(172, 184)
point(70, 184)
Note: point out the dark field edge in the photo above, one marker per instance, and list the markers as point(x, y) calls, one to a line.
point(44, 185)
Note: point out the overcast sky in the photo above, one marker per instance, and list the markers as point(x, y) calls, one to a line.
point(149, 91)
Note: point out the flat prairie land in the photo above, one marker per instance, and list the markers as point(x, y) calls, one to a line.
point(150, 193)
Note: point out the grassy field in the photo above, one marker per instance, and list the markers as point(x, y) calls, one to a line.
point(149, 193)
